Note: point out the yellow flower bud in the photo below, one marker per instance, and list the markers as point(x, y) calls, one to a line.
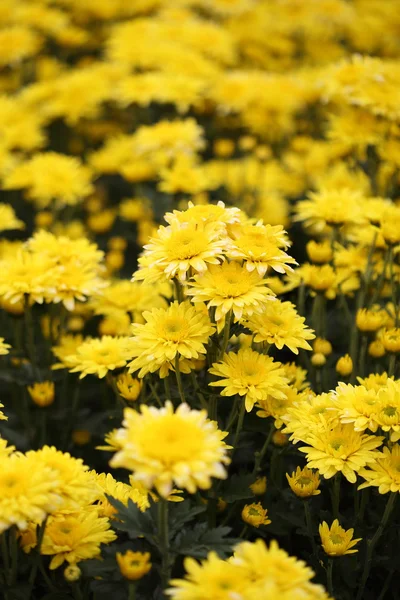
point(344, 365)
point(224, 147)
point(304, 482)
point(42, 393)
point(391, 340)
point(255, 515)
point(133, 565)
point(322, 346)
point(101, 222)
point(72, 573)
point(263, 152)
point(129, 387)
point(369, 320)
point(335, 540)
point(114, 260)
point(259, 487)
point(14, 308)
point(75, 323)
point(280, 439)
point(318, 360)
point(43, 219)
point(247, 142)
point(221, 505)
point(117, 243)
point(376, 349)
point(81, 437)
point(319, 252)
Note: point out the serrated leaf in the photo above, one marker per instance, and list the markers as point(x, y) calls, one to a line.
point(200, 540)
point(130, 519)
point(238, 488)
point(182, 513)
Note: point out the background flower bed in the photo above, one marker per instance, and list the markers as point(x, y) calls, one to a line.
point(203, 131)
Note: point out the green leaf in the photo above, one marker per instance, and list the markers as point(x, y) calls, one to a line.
point(132, 520)
point(238, 488)
point(181, 513)
point(200, 540)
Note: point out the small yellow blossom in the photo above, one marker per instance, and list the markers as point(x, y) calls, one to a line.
point(133, 565)
point(255, 515)
point(336, 541)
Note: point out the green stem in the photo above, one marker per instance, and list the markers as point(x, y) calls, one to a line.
point(131, 591)
point(392, 364)
point(244, 531)
point(336, 495)
point(163, 532)
point(239, 425)
point(35, 566)
point(179, 379)
point(212, 408)
point(363, 355)
point(4, 551)
point(226, 335)
point(156, 396)
point(178, 290)
point(309, 525)
point(329, 577)
point(233, 414)
point(167, 388)
point(30, 336)
point(373, 542)
point(196, 386)
point(260, 455)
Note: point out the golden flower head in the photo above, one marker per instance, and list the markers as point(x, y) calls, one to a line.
point(129, 387)
point(376, 349)
point(322, 346)
point(42, 393)
point(331, 207)
point(304, 482)
point(255, 515)
point(182, 246)
point(391, 340)
point(180, 331)
point(335, 540)
point(163, 447)
point(8, 218)
point(72, 573)
point(99, 356)
point(4, 348)
point(384, 473)
point(341, 449)
point(259, 487)
point(318, 359)
point(230, 287)
point(250, 374)
point(344, 365)
point(75, 536)
point(133, 565)
point(370, 320)
point(319, 252)
point(280, 439)
point(280, 324)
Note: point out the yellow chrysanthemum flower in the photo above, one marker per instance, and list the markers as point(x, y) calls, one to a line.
point(309, 415)
point(331, 207)
point(212, 578)
point(260, 247)
point(387, 415)
point(42, 393)
point(341, 449)
point(384, 473)
point(356, 405)
point(75, 536)
point(129, 387)
point(75, 484)
point(230, 287)
point(49, 176)
point(304, 482)
point(280, 324)
point(4, 348)
point(99, 356)
point(182, 246)
point(120, 491)
point(26, 273)
point(250, 374)
point(133, 565)
point(8, 219)
point(255, 515)
point(163, 447)
point(67, 345)
point(27, 493)
point(177, 332)
point(207, 213)
point(335, 540)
